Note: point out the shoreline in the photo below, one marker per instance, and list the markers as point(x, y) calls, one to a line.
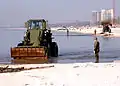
point(115, 32)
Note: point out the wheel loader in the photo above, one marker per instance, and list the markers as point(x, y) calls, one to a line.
point(37, 42)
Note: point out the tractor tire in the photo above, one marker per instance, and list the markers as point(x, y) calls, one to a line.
point(54, 49)
point(49, 51)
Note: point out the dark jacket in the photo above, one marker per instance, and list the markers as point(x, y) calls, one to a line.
point(96, 46)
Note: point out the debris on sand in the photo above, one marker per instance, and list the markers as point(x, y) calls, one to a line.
point(7, 69)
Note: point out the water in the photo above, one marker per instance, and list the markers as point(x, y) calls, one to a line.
point(73, 48)
point(79, 48)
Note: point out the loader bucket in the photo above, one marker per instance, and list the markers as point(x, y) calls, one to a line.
point(28, 53)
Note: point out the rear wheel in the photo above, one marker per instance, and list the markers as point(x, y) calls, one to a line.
point(49, 51)
point(54, 49)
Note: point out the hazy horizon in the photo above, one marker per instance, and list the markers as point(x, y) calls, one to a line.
point(15, 13)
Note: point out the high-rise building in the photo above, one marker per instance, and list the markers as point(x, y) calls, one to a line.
point(103, 15)
point(94, 17)
point(107, 15)
point(98, 17)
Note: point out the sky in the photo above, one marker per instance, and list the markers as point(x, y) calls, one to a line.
point(16, 12)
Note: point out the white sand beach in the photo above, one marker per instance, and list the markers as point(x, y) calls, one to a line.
point(77, 74)
point(115, 32)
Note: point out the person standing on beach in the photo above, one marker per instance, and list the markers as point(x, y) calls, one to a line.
point(96, 49)
point(95, 32)
point(67, 32)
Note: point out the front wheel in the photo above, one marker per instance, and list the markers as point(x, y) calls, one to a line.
point(54, 49)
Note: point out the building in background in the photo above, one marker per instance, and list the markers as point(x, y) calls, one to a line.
point(98, 17)
point(94, 17)
point(102, 15)
point(107, 15)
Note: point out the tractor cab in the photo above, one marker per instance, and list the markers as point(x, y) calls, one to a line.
point(36, 33)
point(36, 24)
